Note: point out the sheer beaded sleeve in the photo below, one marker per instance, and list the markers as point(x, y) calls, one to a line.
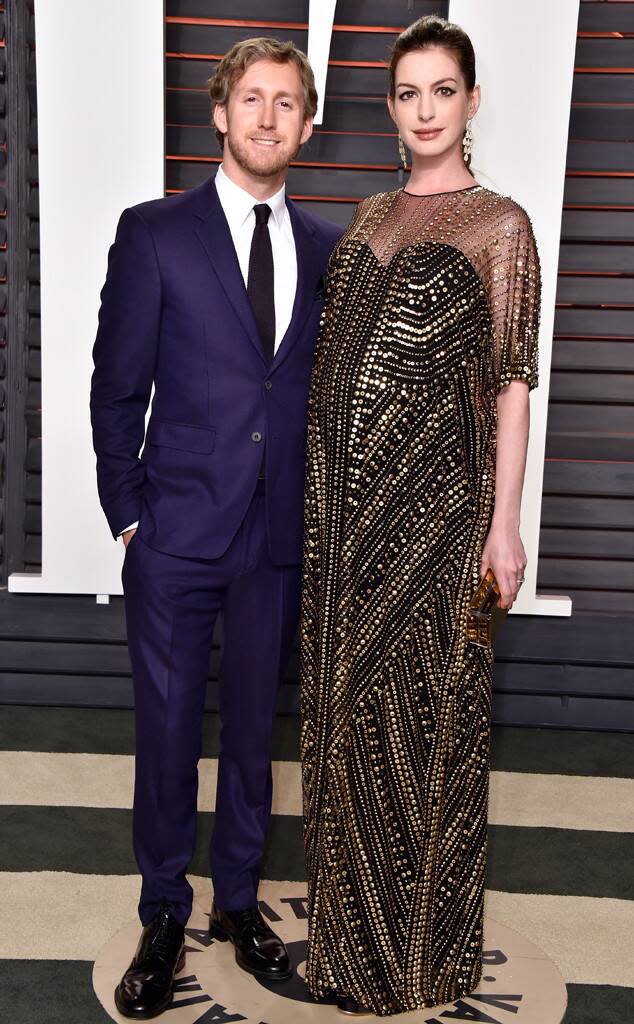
point(514, 295)
point(494, 233)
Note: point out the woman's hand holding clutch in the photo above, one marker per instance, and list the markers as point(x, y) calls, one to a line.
point(503, 552)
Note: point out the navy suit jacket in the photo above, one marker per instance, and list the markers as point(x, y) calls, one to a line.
point(175, 315)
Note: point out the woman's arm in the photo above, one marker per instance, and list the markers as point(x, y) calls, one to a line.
point(503, 550)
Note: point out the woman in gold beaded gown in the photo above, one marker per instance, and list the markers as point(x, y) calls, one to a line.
point(418, 425)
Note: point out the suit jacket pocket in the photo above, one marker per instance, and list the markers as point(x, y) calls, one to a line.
point(183, 436)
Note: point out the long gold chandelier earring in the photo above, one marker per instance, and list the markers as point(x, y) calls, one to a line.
point(467, 142)
point(403, 156)
point(402, 152)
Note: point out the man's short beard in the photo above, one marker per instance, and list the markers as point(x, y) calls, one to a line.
point(242, 158)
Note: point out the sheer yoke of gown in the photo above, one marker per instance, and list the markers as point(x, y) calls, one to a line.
point(432, 306)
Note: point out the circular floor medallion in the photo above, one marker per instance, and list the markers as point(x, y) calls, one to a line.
point(520, 984)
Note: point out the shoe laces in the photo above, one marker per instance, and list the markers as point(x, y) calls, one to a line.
point(162, 939)
point(250, 920)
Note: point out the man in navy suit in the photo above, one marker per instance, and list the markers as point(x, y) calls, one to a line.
point(212, 297)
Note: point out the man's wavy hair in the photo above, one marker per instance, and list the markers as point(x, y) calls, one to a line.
point(239, 57)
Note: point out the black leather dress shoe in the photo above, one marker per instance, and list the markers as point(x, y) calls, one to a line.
point(145, 989)
point(258, 949)
point(352, 1008)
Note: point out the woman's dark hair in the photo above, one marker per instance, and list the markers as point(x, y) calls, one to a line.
point(433, 30)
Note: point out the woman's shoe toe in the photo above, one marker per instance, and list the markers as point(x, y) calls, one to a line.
point(351, 1007)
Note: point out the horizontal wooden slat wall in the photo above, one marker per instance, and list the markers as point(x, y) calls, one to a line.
point(3, 295)
point(354, 152)
point(587, 536)
point(22, 477)
point(32, 523)
point(587, 539)
point(590, 446)
point(575, 672)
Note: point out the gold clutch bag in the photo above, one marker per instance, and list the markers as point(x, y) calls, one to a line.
point(484, 616)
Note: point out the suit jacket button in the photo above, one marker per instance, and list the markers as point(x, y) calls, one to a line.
point(256, 436)
point(268, 385)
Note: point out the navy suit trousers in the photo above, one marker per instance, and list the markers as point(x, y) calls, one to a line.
point(171, 608)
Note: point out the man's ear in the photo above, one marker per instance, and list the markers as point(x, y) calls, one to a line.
point(307, 130)
point(220, 117)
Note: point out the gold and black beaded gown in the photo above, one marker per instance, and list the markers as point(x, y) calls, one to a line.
point(432, 305)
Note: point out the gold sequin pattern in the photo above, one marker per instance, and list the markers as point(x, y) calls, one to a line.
point(432, 305)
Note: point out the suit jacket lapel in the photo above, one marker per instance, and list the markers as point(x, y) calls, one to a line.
point(213, 231)
point(308, 272)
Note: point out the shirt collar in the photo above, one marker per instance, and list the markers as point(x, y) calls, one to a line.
point(238, 204)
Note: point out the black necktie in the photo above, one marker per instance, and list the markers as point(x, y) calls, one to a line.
point(260, 280)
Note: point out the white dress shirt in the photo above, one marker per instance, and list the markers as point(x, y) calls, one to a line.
point(237, 206)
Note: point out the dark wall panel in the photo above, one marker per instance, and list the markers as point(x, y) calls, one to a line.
point(3, 299)
point(22, 469)
point(575, 672)
point(588, 516)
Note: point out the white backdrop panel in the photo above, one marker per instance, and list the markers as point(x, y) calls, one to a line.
point(100, 140)
point(321, 18)
point(525, 61)
point(100, 122)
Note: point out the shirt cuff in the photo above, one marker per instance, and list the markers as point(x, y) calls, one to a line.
point(132, 526)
